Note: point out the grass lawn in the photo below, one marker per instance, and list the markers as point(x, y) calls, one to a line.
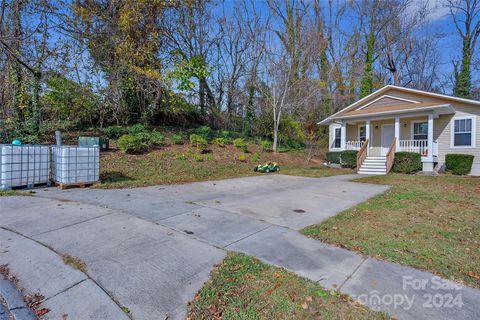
point(242, 287)
point(182, 164)
point(6, 193)
point(430, 223)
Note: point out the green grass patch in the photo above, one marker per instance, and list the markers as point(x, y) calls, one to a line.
point(6, 193)
point(242, 287)
point(430, 223)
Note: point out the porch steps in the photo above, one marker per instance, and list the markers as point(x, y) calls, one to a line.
point(374, 165)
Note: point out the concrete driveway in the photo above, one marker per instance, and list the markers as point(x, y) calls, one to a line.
point(149, 250)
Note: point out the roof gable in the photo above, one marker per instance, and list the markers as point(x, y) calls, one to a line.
point(385, 101)
point(390, 91)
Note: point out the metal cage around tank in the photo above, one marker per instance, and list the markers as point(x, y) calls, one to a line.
point(73, 164)
point(24, 165)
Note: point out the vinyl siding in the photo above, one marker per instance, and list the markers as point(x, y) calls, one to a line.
point(441, 128)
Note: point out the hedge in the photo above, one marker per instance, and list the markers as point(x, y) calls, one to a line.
point(333, 156)
point(407, 162)
point(348, 158)
point(460, 164)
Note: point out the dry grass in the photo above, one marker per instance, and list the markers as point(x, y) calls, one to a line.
point(242, 287)
point(430, 223)
point(182, 164)
point(74, 262)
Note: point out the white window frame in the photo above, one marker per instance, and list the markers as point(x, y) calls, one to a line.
point(334, 128)
point(412, 125)
point(359, 128)
point(473, 135)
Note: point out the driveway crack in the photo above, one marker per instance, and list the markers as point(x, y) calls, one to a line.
point(117, 303)
point(352, 273)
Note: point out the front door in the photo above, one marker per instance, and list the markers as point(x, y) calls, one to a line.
point(388, 133)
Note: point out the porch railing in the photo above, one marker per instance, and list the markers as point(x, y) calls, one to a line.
point(354, 145)
point(418, 146)
point(391, 154)
point(362, 154)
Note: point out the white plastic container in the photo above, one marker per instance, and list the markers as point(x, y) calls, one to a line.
point(71, 164)
point(24, 166)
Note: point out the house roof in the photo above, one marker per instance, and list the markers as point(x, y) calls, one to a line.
point(352, 111)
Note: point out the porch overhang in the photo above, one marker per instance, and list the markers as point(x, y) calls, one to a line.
point(436, 110)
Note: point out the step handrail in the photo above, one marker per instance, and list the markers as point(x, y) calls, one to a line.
point(362, 154)
point(391, 154)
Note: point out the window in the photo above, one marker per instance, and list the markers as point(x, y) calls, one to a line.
point(463, 133)
point(420, 130)
point(338, 138)
point(362, 133)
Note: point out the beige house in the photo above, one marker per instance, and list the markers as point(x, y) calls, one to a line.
point(396, 119)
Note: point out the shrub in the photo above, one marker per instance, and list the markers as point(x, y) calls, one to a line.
point(198, 141)
point(113, 132)
point(197, 157)
point(137, 128)
point(348, 158)
point(177, 139)
point(242, 157)
point(143, 137)
point(256, 156)
point(333, 157)
point(225, 134)
point(130, 144)
point(460, 164)
point(266, 145)
point(221, 142)
point(240, 144)
point(407, 162)
point(181, 156)
point(156, 138)
point(204, 131)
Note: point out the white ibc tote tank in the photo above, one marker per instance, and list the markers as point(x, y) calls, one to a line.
point(71, 164)
point(24, 165)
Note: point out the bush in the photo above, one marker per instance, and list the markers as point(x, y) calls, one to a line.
point(156, 138)
point(137, 128)
point(204, 131)
point(225, 134)
point(334, 157)
point(256, 156)
point(240, 144)
point(199, 142)
point(177, 139)
point(460, 164)
point(348, 158)
point(221, 142)
point(407, 162)
point(266, 145)
point(242, 157)
point(113, 132)
point(144, 137)
point(130, 144)
point(197, 157)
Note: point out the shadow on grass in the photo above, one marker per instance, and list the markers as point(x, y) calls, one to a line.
point(114, 176)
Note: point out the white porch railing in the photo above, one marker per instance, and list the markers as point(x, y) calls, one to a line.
point(418, 146)
point(354, 145)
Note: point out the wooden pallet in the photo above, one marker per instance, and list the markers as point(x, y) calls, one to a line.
point(63, 186)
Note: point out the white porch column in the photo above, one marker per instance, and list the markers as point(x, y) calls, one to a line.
point(397, 133)
point(367, 135)
point(343, 135)
point(430, 138)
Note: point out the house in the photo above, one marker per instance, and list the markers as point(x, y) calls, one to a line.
point(396, 119)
